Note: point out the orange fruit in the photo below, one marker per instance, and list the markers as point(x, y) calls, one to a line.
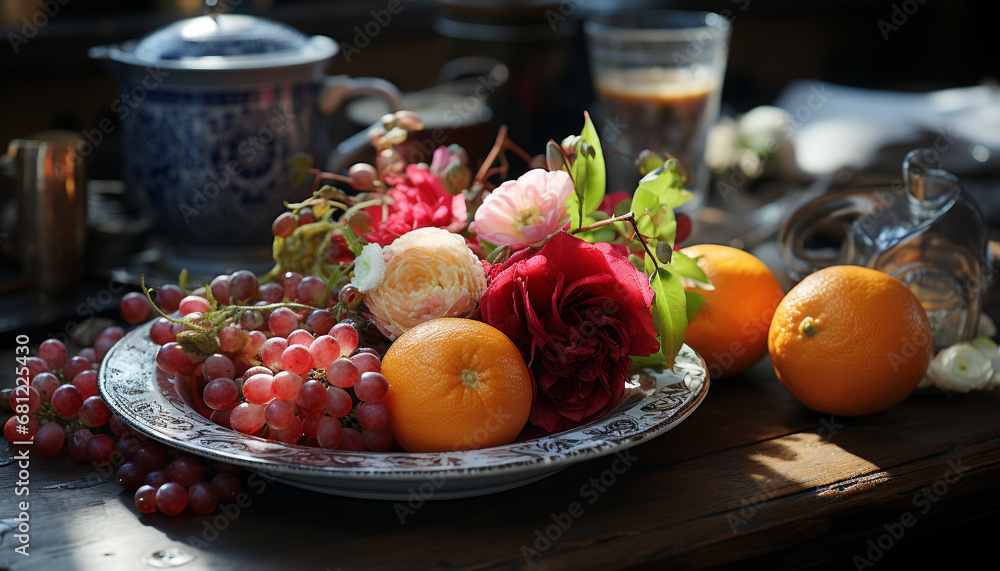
point(455, 384)
point(730, 329)
point(850, 341)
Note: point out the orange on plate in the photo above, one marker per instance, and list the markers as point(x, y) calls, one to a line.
point(730, 329)
point(850, 341)
point(455, 384)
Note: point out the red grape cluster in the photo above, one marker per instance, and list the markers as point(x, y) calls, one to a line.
point(171, 486)
point(279, 367)
point(60, 403)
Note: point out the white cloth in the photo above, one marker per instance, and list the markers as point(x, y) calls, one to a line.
point(836, 126)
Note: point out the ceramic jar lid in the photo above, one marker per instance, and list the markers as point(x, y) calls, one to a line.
point(229, 41)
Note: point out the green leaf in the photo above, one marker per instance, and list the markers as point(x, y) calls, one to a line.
point(182, 281)
point(669, 313)
point(694, 303)
point(655, 361)
point(686, 268)
point(596, 177)
point(352, 239)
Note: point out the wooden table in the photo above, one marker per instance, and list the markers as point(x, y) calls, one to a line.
point(751, 477)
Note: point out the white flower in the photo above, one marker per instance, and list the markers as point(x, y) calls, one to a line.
point(369, 268)
point(961, 368)
point(989, 349)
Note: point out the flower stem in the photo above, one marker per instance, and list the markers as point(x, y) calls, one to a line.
point(492, 156)
point(627, 217)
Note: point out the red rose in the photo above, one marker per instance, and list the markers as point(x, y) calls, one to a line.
point(576, 311)
point(419, 200)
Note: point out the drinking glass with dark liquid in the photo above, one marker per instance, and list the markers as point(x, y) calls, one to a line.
point(658, 74)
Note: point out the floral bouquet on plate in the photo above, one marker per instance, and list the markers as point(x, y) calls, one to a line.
point(587, 285)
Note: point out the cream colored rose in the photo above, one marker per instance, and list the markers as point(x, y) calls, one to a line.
point(429, 273)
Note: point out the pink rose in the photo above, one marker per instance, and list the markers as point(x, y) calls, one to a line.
point(526, 211)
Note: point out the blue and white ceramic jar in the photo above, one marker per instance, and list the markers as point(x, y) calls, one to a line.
point(214, 109)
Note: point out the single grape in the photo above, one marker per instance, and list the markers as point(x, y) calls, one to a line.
point(252, 320)
point(101, 450)
point(193, 304)
point(150, 456)
point(286, 385)
point(380, 441)
point(284, 225)
point(257, 370)
point(367, 363)
point(364, 176)
point(93, 412)
point(297, 359)
point(87, 353)
point(171, 498)
point(373, 416)
point(300, 337)
point(259, 389)
point(66, 400)
point(311, 291)
point(337, 402)
point(77, 445)
point(45, 383)
point(156, 478)
point(185, 470)
point(321, 321)
point(220, 289)
point(218, 366)
point(306, 216)
point(53, 352)
point(162, 331)
point(279, 414)
point(130, 476)
point(202, 498)
point(86, 383)
point(102, 346)
point(255, 342)
point(289, 282)
point(342, 373)
point(226, 486)
point(247, 418)
point(346, 336)
point(312, 396)
point(77, 365)
point(49, 439)
point(290, 434)
point(329, 432)
point(134, 307)
point(352, 440)
point(172, 359)
point(350, 296)
point(35, 367)
point(282, 321)
point(325, 350)
point(145, 499)
point(371, 387)
point(16, 431)
point(25, 399)
point(243, 285)
point(168, 297)
point(310, 422)
point(221, 417)
point(126, 446)
point(232, 339)
point(271, 292)
point(118, 426)
point(221, 393)
point(113, 333)
point(271, 351)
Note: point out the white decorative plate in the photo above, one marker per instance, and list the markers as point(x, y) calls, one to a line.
point(651, 405)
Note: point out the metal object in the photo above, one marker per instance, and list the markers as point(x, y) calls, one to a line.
point(51, 210)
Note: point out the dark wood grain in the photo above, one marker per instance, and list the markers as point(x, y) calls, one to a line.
point(750, 477)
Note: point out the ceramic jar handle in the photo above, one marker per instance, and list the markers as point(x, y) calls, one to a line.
point(339, 87)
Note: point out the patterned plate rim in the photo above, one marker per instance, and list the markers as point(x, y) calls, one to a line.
point(129, 384)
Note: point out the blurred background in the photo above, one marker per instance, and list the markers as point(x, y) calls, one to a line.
point(49, 82)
